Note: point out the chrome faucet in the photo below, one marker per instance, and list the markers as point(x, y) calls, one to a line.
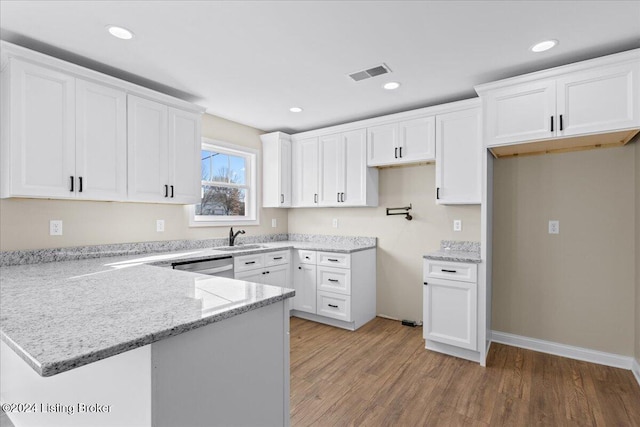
point(232, 236)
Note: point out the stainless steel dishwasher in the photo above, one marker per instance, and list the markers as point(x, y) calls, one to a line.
point(220, 266)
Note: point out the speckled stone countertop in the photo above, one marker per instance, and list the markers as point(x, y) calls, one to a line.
point(456, 251)
point(61, 315)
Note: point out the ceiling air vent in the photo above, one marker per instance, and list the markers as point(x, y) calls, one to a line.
point(371, 72)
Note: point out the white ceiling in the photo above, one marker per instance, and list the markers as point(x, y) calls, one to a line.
point(250, 61)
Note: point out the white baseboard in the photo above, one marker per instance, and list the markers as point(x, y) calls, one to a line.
point(571, 352)
point(636, 370)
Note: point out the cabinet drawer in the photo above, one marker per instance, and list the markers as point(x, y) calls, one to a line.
point(306, 257)
point(466, 272)
point(334, 305)
point(333, 259)
point(248, 262)
point(333, 279)
point(276, 258)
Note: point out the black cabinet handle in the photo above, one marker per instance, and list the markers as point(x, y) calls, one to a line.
point(396, 152)
point(337, 197)
point(342, 197)
point(299, 268)
point(561, 122)
point(80, 182)
point(448, 271)
point(315, 198)
point(307, 257)
point(331, 305)
point(332, 280)
point(437, 193)
point(278, 257)
point(166, 190)
point(425, 283)
point(282, 198)
point(267, 272)
point(249, 262)
point(332, 259)
point(264, 272)
point(71, 189)
point(551, 123)
point(172, 191)
point(400, 152)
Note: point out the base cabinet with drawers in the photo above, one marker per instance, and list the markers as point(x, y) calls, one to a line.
point(338, 289)
point(450, 307)
point(271, 268)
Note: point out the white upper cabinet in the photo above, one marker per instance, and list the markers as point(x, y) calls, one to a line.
point(599, 100)
point(458, 162)
point(344, 178)
point(185, 174)
point(148, 150)
point(164, 153)
point(521, 113)
point(38, 132)
point(276, 170)
point(591, 97)
point(101, 142)
point(408, 141)
point(304, 174)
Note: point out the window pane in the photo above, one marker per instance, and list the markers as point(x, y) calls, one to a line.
point(207, 164)
point(222, 201)
point(237, 170)
point(220, 168)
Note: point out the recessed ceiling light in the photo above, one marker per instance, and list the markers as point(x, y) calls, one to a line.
point(119, 32)
point(545, 45)
point(391, 85)
point(295, 109)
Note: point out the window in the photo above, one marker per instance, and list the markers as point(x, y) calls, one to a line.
point(228, 195)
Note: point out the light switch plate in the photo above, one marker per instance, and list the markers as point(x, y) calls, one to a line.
point(55, 227)
point(554, 227)
point(274, 222)
point(160, 225)
point(334, 223)
point(457, 225)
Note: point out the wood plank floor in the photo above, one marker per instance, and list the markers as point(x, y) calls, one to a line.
point(381, 375)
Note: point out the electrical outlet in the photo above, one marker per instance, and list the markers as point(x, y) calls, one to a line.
point(554, 227)
point(334, 223)
point(274, 222)
point(457, 225)
point(160, 225)
point(55, 227)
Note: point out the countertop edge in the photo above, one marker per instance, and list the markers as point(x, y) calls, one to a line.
point(453, 258)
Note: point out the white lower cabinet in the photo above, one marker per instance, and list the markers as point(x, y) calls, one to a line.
point(450, 301)
point(338, 289)
point(271, 268)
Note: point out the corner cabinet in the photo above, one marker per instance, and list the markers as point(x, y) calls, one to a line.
point(458, 157)
point(407, 141)
point(450, 307)
point(72, 133)
point(164, 147)
point(276, 170)
point(344, 178)
point(587, 98)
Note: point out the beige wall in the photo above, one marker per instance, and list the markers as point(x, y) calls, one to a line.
point(24, 223)
point(401, 243)
point(577, 287)
point(637, 183)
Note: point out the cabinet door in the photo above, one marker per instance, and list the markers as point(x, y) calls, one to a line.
point(331, 175)
point(520, 113)
point(599, 100)
point(304, 283)
point(42, 120)
point(305, 173)
point(458, 160)
point(185, 176)
point(148, 150)
point(278, 275)
point(354, 169)
point(255, 276)
point(382, 145)
point(417, 140)
point(450, 312)
point(101, 142)
point(285, 173)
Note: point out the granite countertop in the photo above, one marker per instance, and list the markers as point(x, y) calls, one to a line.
point(456, 251)
point(61, 315)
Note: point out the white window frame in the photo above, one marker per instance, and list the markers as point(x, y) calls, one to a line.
point(251, 204)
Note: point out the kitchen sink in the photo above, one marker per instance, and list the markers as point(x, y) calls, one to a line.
point(238, 248)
